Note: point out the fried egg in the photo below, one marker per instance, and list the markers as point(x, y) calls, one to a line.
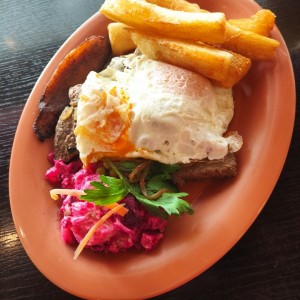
point(139, 107)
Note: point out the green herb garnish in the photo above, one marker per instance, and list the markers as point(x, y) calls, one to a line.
point(106, 191)
point(110, 190)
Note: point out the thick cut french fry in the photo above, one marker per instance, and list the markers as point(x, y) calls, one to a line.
point(249, 44)
point(196, 26)
point(223, 67)
point(120, 39)
point(247, 37)
point(177, 5)
point(261, 23)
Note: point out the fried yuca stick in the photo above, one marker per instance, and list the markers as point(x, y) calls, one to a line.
point(197, 26)
point(249, 44)
point(245, 42)
point(225, 68)
point(260, 23)
point(120, 38)
point(177, 5)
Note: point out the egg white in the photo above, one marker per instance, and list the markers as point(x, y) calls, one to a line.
point(138, 107)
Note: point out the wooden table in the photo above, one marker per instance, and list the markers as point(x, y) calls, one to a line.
point(264, 264)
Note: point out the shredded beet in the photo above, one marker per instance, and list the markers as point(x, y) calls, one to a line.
point(137, 229)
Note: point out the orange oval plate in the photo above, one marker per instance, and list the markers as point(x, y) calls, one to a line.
point(224, 210)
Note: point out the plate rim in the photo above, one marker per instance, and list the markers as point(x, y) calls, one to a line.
point(63, 49)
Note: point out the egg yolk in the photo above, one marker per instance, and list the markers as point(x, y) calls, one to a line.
point(110, 133)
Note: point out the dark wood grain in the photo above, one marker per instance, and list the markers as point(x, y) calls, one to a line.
point(264, 264)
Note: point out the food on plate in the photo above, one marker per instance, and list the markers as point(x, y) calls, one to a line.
point(224, 67)
point(260, 23)
point(133, 228)
point(177, 5)
point(120, 38)
point(139, 107)
point(249, 44)
point(64, 137)
point(157, 116)
point(206, 169)
point(197, 26)
point(149, 24)
point(119, 112)
point(90, 55)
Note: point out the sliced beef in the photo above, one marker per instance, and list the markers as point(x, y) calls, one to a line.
point(74, 93)
point(64, 139)
point(206, 169)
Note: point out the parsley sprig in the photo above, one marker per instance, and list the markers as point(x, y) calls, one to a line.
point(109, 190)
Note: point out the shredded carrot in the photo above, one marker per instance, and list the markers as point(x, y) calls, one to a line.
point(122, 211)
point(94, 228)
point(77, 193)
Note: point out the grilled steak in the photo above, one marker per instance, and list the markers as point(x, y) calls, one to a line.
point(64, 139)
point(206, 169)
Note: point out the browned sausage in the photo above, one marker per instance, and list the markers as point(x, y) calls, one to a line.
point(91, 55)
